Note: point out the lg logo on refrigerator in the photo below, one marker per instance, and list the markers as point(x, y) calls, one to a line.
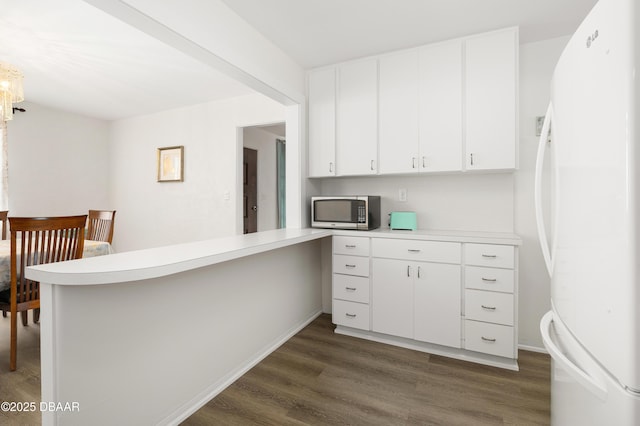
point(592, 38)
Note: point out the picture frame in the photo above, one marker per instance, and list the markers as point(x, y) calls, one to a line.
point(171, 164)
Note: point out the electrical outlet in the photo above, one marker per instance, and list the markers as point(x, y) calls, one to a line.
point(402, 194)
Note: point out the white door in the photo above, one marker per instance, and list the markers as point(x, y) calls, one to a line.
point(322, 122)
point(398, 91)
point(357, 118)
point(441, 107)
point(392, 297)
point(490, 83)
point(437, 296)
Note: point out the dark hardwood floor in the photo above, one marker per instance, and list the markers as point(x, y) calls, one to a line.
point(321, 378)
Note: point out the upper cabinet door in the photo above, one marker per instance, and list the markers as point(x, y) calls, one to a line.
point(322, 122)
point(491, 79)
point(398, 108)
point(441, 107)
point(357, 118)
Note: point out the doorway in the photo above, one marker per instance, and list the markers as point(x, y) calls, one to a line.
point(264, 203)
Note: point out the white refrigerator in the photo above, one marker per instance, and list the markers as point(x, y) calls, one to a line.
point(591, 240)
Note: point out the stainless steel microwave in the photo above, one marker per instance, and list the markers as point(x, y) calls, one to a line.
point(346, 212)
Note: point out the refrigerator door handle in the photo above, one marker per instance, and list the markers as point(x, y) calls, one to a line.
point(588, 382)
point(542, 233)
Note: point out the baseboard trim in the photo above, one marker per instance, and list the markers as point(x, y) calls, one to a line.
point(187, 409)
point(533, 349)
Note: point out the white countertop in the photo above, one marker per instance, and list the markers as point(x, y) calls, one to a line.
point(439, 235)
point(167, 260)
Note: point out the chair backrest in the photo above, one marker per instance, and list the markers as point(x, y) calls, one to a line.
point(3, 219)
point(35, 241)
point(101, 225)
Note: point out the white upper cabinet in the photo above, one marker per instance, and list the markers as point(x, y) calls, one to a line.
point(441, 107)
point(398, 108)
point(444, 107)
point(490, 84)
point(357, 118)
point(322, 122)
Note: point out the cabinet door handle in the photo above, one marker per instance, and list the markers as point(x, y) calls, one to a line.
point(330, 167)
point(350, 315)
point(423, 162)
point(491, 280)
point(492, 256)
point(489, 308)
point(372, 165)
point(408, 270)
point(413, 162)
point(413, 250)
point(350, 288)
point(350, 245)
point(349, 266)
point(472, 159)
point(418, 272)
point(487, 339)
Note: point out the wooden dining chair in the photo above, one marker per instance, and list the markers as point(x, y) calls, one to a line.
point(101, 225)
point(3, 219)
point(35, 241)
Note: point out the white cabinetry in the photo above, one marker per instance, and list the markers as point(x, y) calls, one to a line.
point(491, 87)
point(322, 122)
point(417, 299)
point(441, 107)
point(490, 300)
point(449, 297)
point(357, 118)
point(351, 282)
point(399, 123)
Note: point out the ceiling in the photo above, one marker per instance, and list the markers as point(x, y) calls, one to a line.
point(80, 59)
point(321, 32)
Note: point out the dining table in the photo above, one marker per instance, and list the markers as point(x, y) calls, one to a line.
point(92, 248)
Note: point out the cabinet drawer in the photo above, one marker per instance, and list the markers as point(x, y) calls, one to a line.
point(351, 314)
point(489, 338)
point(494, 255)
point(348, 287)
point(489, 306)
point(356, 246)
point(428, 251)
point(351, 265)
point(492, 279)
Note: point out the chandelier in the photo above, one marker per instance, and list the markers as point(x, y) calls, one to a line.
point(10, 90)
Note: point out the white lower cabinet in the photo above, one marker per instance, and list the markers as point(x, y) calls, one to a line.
point(451, 298)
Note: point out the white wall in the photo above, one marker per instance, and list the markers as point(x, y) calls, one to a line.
point(58, 163)
point(537, 62)
point(265, 143)
point(466, 202)
point(153, 214)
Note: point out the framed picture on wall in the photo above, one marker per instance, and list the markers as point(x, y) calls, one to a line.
point(171, 164)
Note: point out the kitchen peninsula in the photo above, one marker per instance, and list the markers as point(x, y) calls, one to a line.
point(149, 336)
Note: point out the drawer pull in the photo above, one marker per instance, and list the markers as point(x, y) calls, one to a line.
point(349, 266)
point(350, 245)
point(350, 288)
point(486, 339)
point(490, 308)
point(414, 250)
point(350, 315)
point(491, 280)
point(492, 256)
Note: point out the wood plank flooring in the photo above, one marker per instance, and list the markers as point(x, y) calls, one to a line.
point(321, 378)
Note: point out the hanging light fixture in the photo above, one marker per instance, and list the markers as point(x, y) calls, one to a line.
point(10, 90)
